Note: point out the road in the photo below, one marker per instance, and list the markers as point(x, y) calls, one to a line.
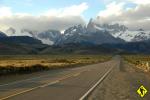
point(122, 83)
point(64, 84)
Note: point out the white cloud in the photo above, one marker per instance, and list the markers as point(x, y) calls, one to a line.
point(112, 9)
point(74, 10)
point(134, 18)
point(143, 2)
point(5, 11)
point(58, 19)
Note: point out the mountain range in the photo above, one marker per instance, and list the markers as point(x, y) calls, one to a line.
point(101, 37)
point(93, 32)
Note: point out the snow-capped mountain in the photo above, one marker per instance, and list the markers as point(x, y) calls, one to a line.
point(50, 36)
point(76, 34)
point(141, 35)
point(132, 36)
point(122, 32)
point(79, 29)
point(92, 33)
point(47, 37)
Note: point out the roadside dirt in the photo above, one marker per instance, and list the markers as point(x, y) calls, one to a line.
point(122, 84)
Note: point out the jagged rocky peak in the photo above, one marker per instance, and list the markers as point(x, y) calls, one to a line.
point(115, 27)
point(95, 25)
point(78, 29)
point(91, 26)
point(94, 32)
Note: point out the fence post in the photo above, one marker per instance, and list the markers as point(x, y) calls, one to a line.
point(147, 66)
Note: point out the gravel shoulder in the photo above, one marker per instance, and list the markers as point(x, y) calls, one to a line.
point(122, 84)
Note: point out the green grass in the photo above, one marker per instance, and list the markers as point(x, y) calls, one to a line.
point(21, 64)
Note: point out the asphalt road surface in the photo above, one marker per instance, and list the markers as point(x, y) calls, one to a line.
point(122, 83)
point(64, 84)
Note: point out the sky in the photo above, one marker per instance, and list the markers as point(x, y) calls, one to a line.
point(37, 7)
point(60, 14)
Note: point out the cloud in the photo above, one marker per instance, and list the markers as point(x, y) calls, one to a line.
point(40, 23)
point(58, 19)
point(74, 10)
point(112, 9)
point(5, 11)
point(143, 2)
point(134, 17)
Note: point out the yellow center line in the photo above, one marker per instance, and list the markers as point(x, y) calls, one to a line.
point(63, 78)
point(51, 83)
point(42, 86)
point(76, 74)
point(18, 93)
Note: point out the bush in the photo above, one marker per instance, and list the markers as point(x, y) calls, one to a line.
point(22, 70)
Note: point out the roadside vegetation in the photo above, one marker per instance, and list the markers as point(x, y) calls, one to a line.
point(21, 64)
point(140, 61)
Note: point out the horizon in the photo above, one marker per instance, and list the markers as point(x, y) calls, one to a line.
point(74, 49)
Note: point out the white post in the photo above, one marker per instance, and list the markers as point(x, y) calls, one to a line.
point(147, 66)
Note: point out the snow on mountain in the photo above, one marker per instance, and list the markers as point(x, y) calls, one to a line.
point(49, 37)
point(141, 36)
point(122, 32)
point(93, 33)
point(90, 34)
point(79, 29)
point(133, 36)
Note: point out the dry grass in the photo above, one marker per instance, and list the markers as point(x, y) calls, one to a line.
point(27, 64)
point(140, 61)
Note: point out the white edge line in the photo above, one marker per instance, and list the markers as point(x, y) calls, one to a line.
point(94, 86)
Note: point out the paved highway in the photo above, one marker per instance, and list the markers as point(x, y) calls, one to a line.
point(67, 84)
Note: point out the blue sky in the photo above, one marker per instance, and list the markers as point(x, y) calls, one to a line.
point(37, 6)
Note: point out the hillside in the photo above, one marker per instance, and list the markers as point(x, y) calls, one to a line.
point(20, 45)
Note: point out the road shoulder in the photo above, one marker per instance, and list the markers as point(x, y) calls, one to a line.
point(122, 84)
